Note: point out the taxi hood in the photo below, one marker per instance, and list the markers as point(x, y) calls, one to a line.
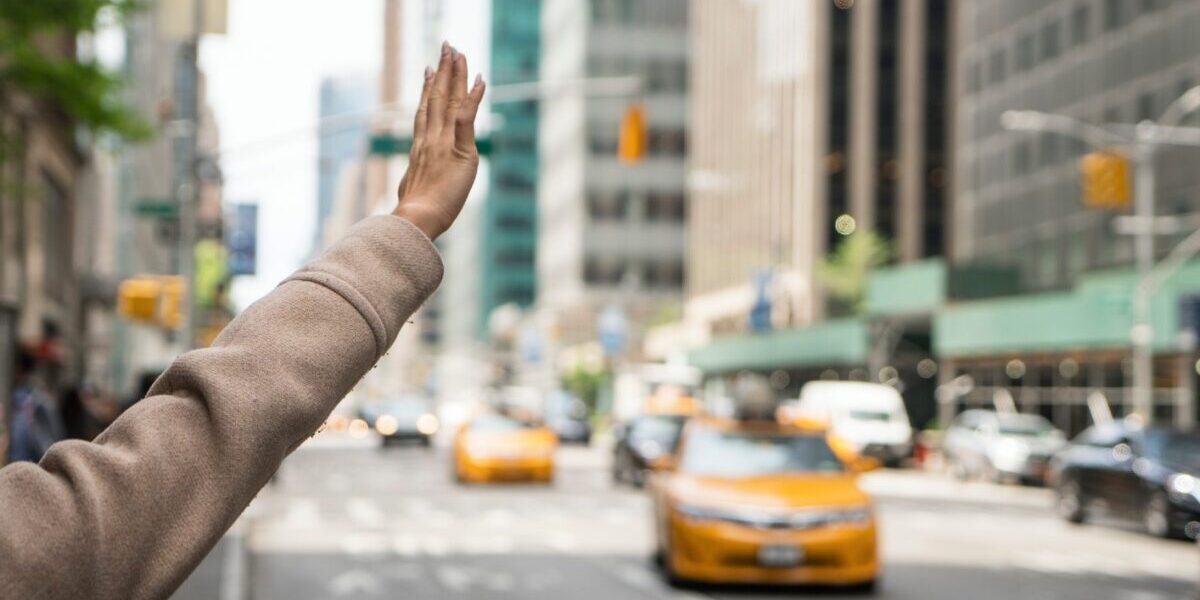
point(775, 491)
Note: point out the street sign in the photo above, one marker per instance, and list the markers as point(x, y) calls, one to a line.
point(158, 208)
point(385, 144)
point(241, 238)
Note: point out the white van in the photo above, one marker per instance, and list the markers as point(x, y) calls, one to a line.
point(868, 415)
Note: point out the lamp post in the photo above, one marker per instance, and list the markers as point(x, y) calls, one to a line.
point(1143, 141)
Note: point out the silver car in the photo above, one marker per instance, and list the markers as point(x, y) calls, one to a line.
point(1001, 446)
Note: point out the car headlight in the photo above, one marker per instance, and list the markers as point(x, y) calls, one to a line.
point(1184, 484)
point(386, 425)
point(800, 519)
point(427, 424)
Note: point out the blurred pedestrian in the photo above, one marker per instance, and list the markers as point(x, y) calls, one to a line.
point(36, 424)
point(131, 514)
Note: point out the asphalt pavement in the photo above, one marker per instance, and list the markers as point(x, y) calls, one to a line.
point(348, 519)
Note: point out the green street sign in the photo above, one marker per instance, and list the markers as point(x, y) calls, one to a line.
point(156, 207)
point(390, 145)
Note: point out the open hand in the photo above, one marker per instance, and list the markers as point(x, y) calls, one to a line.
point(444, 160)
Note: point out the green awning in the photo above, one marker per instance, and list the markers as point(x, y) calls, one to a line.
point(831, 343)
point(1096, 315)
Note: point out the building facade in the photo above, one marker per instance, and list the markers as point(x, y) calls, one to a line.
point(1106, 62)
point(611, 236)
point(508, 257)
point(345, 106)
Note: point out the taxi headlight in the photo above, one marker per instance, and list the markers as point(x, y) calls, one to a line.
point(758, 518)
point(386, 425)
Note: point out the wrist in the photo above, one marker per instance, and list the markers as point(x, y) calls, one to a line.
point(421, 219)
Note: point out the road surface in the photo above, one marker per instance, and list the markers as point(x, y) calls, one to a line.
point(347, 519)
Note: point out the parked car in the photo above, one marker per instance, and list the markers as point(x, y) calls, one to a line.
point(644, 444)
point(759, 502)
point(567, 416)
point(999, 446)
point(1151, 476)
point(869, 416)
point(407, 419)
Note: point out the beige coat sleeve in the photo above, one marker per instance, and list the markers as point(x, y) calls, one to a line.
point(130, 515)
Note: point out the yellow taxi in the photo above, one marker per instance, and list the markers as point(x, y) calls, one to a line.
point(762, 502)
point(496, 448)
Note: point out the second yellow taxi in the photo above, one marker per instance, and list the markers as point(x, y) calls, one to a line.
point(496, 448)
point(765, 503)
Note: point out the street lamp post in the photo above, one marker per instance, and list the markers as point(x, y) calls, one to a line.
point(1144, 141)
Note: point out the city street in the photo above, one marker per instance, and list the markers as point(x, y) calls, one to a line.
point(348, 519)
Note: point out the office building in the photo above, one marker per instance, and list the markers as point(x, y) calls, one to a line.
point(611, 236)
point(345, 105)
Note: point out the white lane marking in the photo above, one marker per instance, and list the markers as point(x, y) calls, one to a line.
point(364, 512)
point(356, 583)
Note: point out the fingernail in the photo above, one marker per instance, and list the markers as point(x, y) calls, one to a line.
point(478, 79)
point(453, 53)
point(445, 48)
point(428, 72)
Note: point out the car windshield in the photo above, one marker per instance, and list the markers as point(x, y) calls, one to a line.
point(662, 429)
point(405, 410)
point(1026, 427)
point(712, 453)
point(870, 415)
point(498, 424)
point(1176, 449)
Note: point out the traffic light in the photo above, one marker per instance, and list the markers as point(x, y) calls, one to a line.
point(631, 146)
point(153, 300)
point(1105, 179)
point(137, 299)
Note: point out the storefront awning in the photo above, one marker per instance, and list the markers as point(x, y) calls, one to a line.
point(831, 343)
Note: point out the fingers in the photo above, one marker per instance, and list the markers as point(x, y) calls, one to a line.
point(464, 122)
point(458, 88)
point(420, 123)
point(439, 96)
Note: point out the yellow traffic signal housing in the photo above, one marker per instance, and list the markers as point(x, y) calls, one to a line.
point(152, 300)
point(1105, 179)
point(631, 146)
point(137, 299)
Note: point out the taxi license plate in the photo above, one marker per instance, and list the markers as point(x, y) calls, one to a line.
point(780, 556)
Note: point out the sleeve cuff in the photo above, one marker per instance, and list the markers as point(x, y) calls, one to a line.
point(386, 267)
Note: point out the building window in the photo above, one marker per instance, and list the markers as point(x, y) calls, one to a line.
point(663, 275)
point(513, 257)
point(975, 77)
point(602, 144)
point(603, 272)
point(666, 142)
point(666, 207)
point(1114, 14)
point(608, 206)
point(1051, 44)
point(56, 224)
point(1146, 107)
point(514, 182)
point(996, 67)
point(1048, 153)
point(1025, 52)
point(1080, 24)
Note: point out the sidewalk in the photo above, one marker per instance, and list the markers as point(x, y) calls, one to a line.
point(932, 485)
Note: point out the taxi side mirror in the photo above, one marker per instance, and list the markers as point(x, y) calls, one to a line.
point(865, 464)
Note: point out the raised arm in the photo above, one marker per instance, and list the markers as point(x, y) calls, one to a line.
point(131, 515)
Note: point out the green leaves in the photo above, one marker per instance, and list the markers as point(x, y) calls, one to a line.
point(32, 62)
point(845, 271)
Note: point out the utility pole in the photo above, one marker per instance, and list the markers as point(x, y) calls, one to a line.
point(187, 181)
point(1143, 142)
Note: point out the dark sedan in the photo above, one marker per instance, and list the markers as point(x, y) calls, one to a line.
point(643, 444)
point(1150, 476)
point(406, 419)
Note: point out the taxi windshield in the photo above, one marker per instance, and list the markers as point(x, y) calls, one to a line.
point(498, 424)
point(710, 453)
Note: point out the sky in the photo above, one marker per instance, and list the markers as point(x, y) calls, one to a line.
point(263, 85)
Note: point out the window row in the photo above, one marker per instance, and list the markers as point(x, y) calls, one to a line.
point(619, 206)
point(612, 272)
